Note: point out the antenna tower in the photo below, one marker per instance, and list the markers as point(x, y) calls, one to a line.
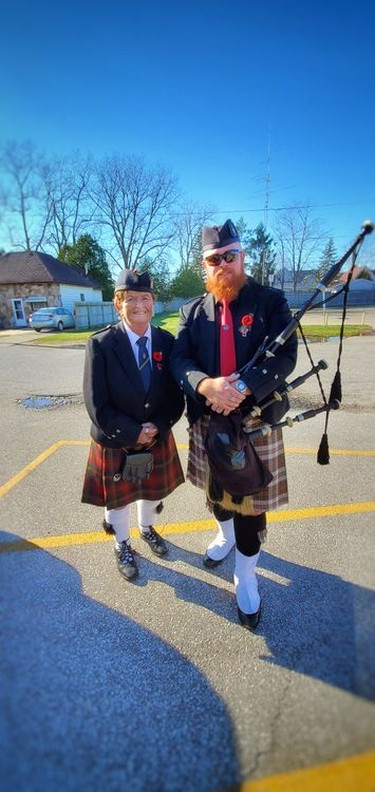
point(267, 189)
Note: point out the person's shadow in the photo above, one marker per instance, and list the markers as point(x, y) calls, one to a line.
point(314, 622)
point(91, 700)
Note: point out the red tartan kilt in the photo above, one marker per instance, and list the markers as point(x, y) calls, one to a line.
point(101, 487)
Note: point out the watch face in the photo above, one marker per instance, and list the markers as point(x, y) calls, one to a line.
point(241, 386)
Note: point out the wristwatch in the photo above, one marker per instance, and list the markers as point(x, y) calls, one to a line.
point(240, 385)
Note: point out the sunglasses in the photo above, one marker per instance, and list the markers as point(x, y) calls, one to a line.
point(228, 256)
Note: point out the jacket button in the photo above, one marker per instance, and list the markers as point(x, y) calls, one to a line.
point(147, 405)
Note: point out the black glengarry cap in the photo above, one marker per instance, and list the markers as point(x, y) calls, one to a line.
point(131, 280)
point(215, 237)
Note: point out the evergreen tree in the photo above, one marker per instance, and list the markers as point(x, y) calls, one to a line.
point(160, 273)
point(246, 235)
point(262, 255)
point(187, 283)
point(328, 257)
point(87, 255)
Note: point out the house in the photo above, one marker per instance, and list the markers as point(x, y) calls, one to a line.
point(359, 273)
point(306, 280)
point(31, 280)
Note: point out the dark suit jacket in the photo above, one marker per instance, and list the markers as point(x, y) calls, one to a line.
point(113, 391)
point(196, 350)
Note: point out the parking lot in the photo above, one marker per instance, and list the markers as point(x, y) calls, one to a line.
point(154, 685)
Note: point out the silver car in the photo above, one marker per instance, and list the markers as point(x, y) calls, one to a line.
point(51, 319)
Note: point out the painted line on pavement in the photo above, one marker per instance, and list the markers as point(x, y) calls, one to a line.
point(12, 482)
point(90, 537)
point(356, 773)
point(4, 489)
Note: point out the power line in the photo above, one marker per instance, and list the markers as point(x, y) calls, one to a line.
point(295, 206)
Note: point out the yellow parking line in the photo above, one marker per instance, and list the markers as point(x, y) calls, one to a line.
point(5, 488)
point(346, 775)
point(332, 451)
point(89, 537)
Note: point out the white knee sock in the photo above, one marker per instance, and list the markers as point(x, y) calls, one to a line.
point(120, 521)
point(223, 541)
point(146, 511)
point(245, 583)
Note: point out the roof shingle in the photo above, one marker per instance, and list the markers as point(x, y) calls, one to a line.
point(30, 267)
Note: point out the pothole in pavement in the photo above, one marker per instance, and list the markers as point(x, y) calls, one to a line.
point(50, 402)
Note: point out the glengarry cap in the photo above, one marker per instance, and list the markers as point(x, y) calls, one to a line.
point(216, 237)
point(131, 280)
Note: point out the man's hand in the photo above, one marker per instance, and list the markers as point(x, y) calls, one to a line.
point(220, 394)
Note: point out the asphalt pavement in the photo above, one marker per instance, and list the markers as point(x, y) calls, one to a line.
point(154, 685)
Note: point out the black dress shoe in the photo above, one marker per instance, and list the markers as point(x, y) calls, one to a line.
point(210, 563)
point(126, 563)
point(249, 620)
point(154, 541)
point(109, 529)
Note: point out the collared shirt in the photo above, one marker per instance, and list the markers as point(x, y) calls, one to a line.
point(133, 338)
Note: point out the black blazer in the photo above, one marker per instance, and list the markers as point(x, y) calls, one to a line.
point(113, 390)
point(196, 351)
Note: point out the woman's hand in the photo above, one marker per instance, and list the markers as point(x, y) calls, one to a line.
point(148, 433)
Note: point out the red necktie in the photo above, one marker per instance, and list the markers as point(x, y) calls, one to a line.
point(228, 362)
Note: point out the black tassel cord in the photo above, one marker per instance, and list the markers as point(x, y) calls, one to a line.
point(336, 389)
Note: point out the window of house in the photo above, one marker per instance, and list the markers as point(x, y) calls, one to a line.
point(82, 297)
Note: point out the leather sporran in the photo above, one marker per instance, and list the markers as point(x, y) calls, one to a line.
point(138, 466)
point(234, 463)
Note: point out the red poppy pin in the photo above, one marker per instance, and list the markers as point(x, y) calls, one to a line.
point(246, 324)
point(158, 357)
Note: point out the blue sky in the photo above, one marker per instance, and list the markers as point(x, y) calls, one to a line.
point(207, 89)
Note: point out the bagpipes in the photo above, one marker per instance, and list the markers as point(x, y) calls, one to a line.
point(270, 347)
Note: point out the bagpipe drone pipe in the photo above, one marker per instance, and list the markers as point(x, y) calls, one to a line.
point(270, 347)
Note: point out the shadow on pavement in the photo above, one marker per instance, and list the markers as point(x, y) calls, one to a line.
point(320, 625)
point(314, 623)
point(90, 700)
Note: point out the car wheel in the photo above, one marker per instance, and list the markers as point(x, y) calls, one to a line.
point(60, 326)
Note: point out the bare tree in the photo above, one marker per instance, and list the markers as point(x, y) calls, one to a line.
point(25, 197)
point(134, 204)
point(188, 224)
point(298, 237)
point(67, 181)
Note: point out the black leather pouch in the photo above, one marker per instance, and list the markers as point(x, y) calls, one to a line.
point(137, 466)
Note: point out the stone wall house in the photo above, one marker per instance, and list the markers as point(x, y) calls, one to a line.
point(31, 280)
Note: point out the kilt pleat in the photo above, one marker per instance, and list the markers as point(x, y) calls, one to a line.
point(271, 452)
point(103, 485)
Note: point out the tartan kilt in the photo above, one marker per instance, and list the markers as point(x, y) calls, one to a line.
point(103, 486)
point(271, 452)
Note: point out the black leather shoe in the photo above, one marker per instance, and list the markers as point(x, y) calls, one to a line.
point(154, 541)
point(126, 564)
point(210, 563)
point(249, 620)
point(109, 529)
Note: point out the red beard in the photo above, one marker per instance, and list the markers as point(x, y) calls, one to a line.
point(223, 288)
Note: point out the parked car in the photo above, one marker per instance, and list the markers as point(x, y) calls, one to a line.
point(51, 319)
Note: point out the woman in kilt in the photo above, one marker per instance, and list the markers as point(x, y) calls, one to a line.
point(133, 402)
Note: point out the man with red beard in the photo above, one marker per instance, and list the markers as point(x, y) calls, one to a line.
point(218, 335)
